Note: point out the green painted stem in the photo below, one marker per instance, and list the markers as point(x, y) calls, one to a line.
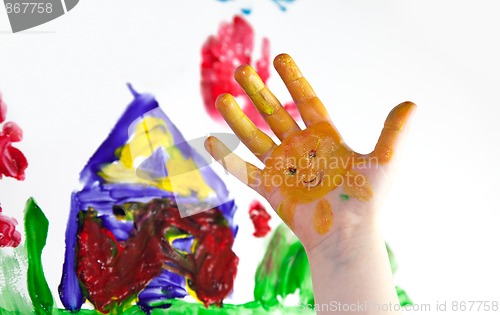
point(36, 226)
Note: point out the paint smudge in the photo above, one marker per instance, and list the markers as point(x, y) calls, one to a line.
point(286, 211)
point(37, 226)
point(323, 217)
point(281, 4)
point(14, 298)
point(246, 11)
point(260, 219)
point(9, 236)
point(358, 186)
point(233, 46)
point(344, 197)
point(3, 110)
point(126, 218)
point(13, 163)
point(403, 297)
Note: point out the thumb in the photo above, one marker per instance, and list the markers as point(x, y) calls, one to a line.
point(395, 128)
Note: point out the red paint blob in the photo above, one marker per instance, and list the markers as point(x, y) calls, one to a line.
point(13, 163)
point(3, 110)
point(221, 54)
point(115, 271)
point(260, 219)
point(9, 237)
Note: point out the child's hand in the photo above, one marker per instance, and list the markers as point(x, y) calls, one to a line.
point(314, 181)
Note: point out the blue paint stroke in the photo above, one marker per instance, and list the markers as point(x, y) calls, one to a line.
point(280, 3)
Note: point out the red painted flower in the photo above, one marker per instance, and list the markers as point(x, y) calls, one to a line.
point(12, 164)
point(12, 161)
point(9, 237)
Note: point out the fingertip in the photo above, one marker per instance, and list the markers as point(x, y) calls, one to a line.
point(224, 100)
point(242, 72)
point(287, 68)
point(405, 108)
point(399, 115)
point(209, 143)
point(249, 79)
point(282, 60)
point(215, 147)
point(408, 106)
point(409, 103)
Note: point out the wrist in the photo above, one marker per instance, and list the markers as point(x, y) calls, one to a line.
point(347, 242)
point(352, 266)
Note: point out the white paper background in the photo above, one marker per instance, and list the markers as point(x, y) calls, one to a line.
point(64, 84)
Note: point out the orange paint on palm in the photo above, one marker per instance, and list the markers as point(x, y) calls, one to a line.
point(308, 164)
point(286, 211)
point(357, 186)
point(323, 217)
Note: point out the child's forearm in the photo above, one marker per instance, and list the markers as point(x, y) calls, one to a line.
point(351, 273)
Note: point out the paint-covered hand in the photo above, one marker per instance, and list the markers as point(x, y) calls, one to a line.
point(313, 180)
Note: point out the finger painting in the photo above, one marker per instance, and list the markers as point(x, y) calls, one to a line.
point(153, 228)
point(128, 250)
point(126, 218)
